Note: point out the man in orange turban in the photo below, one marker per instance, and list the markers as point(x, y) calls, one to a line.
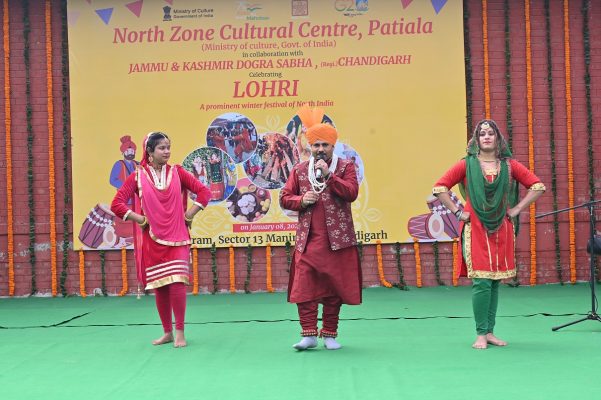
point(325, 266)
point(316, 130)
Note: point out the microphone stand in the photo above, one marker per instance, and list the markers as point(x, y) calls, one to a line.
point(592, 314)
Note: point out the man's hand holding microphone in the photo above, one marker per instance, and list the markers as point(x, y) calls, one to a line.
point(321, 170)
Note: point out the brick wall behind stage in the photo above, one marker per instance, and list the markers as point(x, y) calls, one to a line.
point(541, 116)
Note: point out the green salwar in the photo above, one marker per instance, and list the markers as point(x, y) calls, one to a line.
point(485, 298)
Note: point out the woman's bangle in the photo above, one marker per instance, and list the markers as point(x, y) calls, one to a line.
point(188, 219)
point(143, 223)
point(459, 215)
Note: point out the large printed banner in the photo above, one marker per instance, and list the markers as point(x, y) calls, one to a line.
point(224, 80)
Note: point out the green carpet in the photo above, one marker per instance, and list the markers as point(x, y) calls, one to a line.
point(399, 344)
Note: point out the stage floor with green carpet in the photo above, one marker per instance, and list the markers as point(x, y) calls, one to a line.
point(413, 344)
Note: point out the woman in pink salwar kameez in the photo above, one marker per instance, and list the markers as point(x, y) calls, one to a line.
point(162, 241)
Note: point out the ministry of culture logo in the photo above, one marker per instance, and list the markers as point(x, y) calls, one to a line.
point(300, 8)
point(249, 11)
point(166, 13)
point(351, 8)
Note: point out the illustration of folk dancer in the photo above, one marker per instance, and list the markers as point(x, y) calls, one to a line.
point(200, 171)
point(216, 178)
point(242, 141)
point(217, 140)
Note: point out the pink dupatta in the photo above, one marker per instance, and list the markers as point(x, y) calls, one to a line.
point(163, 210)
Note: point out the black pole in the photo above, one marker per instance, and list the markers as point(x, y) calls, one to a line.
point(592, 314)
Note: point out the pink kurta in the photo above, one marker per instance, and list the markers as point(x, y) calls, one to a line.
point(316, 270)
point(162, 264)
point(486, 255)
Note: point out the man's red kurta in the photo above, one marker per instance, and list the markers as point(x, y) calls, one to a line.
point(325, 261)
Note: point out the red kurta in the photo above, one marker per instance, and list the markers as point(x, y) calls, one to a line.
point(486, 255)
point(316, 270)
point(162, 264)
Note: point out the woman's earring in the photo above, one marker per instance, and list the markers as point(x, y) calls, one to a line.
point(150, 159)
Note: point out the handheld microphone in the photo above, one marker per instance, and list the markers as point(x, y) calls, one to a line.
point(318, 172)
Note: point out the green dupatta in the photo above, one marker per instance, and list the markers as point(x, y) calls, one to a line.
point(490, 200)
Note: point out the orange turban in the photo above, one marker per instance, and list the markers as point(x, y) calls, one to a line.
point(316, 130)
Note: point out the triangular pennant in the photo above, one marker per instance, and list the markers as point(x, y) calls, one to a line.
point(438, 5)
point(105, 14)
point(89, 1)
point(72, 17)
point(169, 1)
point(405, 3)
point(135, 7)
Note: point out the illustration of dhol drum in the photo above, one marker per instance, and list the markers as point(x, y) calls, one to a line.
point(451, 224)
point(426, 226)
point(99, 220)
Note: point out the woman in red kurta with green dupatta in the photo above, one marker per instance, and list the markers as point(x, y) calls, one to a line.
point(162, 240)
point(488, 179)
